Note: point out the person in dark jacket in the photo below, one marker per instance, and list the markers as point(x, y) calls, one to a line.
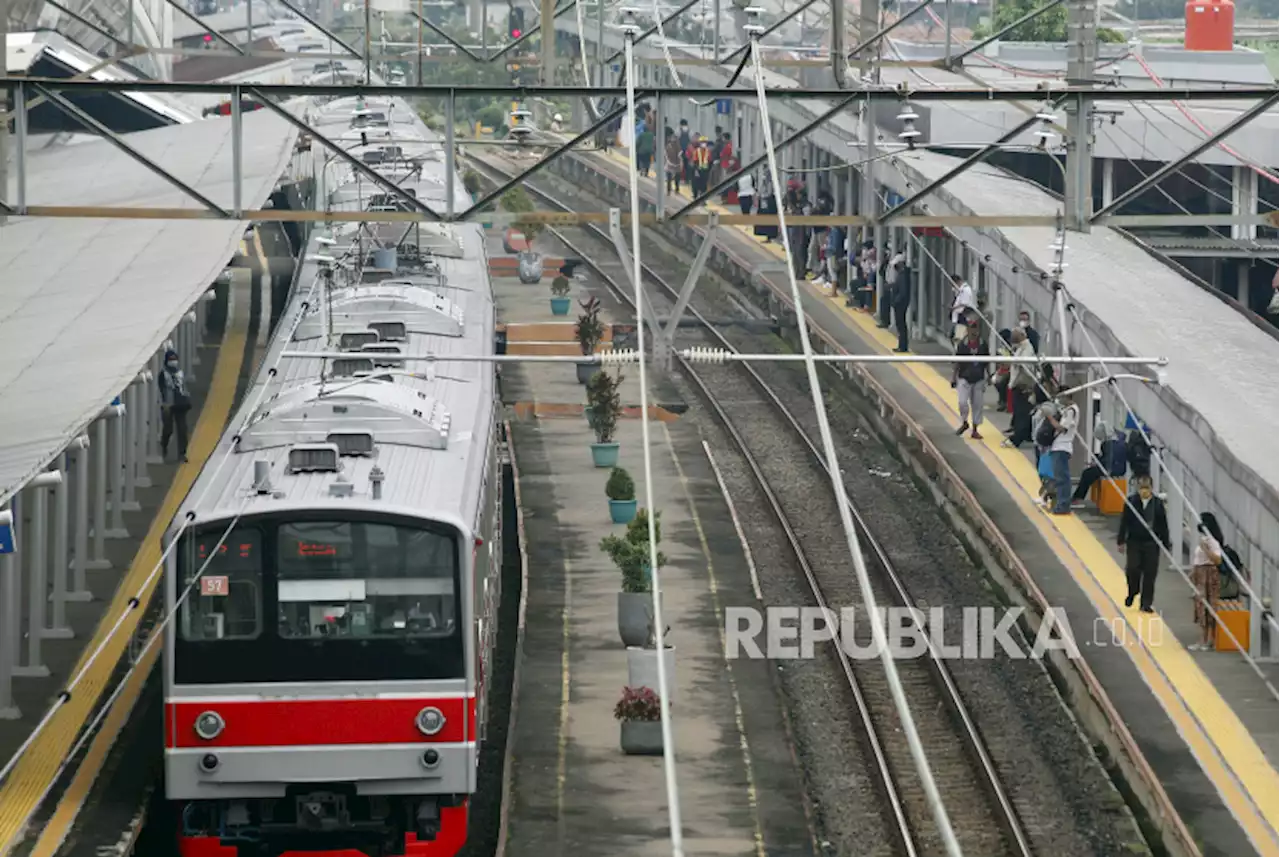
point(1033, 335)
point(970, 381)
point(901, 300)
point(175, 402)
point(1143, 529)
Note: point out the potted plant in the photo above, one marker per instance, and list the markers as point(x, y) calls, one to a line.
point(560, 295)
point(640, 713)
point(621, 491)
point(642, 663)
point(472, 182)
point(516, 201)
point(588, 331)
point(606, 407)
point(635, 602)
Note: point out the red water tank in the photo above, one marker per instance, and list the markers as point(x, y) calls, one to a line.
point(1211, 25)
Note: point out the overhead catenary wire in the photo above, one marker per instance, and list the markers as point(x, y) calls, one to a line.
point(837, 484)
point(659, 629)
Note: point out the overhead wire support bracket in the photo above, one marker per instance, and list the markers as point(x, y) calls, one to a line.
point(342, 153)
point(114, 139)
point(650, 313)
point(971, 161)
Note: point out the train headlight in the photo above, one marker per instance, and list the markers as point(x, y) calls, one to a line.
point(430, 721)
point(210, 725)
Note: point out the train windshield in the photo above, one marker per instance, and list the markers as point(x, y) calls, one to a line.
point(319, 600)
point(356, 579)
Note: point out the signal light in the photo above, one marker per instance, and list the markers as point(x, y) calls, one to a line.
point(515, 23)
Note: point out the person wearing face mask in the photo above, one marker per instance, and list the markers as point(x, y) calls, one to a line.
point(175, 402)
point(970, 381)
point(1143, 529)
point(1033, 335)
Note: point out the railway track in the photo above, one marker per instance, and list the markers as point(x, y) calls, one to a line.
point(775, 447)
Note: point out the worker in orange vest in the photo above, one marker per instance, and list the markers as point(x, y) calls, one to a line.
point(701, 166)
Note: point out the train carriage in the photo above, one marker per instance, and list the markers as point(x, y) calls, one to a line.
point(336, 574)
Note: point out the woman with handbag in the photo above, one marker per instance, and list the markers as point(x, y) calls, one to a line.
point(175, 402)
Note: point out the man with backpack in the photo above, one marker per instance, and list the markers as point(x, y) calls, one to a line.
point(175, 402)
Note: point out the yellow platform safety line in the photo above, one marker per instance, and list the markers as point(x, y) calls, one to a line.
point(22, 792)
point(1247, 782)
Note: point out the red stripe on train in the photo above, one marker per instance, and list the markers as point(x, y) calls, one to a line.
point(309, 722)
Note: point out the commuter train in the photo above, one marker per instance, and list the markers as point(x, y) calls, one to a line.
point(336, 576)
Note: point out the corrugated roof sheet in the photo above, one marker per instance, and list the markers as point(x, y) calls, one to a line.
point(85, 302)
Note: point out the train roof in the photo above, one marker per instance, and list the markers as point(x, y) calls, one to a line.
point(328, 429)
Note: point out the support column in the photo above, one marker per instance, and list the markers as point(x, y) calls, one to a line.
point(35, 504)
point(101, 452)
point(130, 449)
point(79, 591)
point(116, 528)
point(660, 156)
point(153, 410)
point(10, 617)
point(143, 429)
point(1176, 513)
point(1108, 181)
point(189, 338)
point(547, 34)
point(1244, 201)
point(58, 627)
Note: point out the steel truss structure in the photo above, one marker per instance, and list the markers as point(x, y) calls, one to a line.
point(25, 92)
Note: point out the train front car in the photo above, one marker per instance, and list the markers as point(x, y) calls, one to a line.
point(336, 582)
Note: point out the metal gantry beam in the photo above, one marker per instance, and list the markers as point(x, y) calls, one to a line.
point(288, 4)
point(281, 91)
point(430, 25)
point(1173, 166)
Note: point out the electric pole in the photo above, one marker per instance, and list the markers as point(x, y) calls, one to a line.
point(547, 33)
point(1082, 59)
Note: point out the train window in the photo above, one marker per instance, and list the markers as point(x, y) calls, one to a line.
point(225, 602)
point(361, 580)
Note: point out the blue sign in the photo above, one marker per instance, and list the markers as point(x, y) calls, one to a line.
point(893, 200)
point(6, 538)
point(616, 67)
point(724, 106)
point(115, 403)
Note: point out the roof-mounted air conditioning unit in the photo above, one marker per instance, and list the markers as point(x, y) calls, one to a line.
point(314, 458)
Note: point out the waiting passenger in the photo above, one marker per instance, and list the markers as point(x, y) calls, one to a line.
point(175, 402)
point(1064, 425)
point(970, 381)
point(1139, 454)
point(1205, 560)
point(901, 299)
point(1033, 335)
point(1143, 529)
point(962, 305)
point(1022, 386)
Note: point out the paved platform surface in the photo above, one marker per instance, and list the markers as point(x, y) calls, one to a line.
point(574, 791)
point(92, 804)
point(1205, 722)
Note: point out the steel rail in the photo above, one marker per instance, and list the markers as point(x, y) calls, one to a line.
point(976, 745)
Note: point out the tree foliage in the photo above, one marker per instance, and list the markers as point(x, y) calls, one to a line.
point(1049, 27)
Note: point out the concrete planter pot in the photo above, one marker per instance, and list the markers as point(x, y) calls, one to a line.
point(559, 306)
point(585, 371)
point(642, 668)
point(634, 609)
point(622, 511)
point(604, 454)
point(642, 737)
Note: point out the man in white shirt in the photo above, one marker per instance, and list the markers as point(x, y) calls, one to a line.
point(963, 304)
point(1060, 453)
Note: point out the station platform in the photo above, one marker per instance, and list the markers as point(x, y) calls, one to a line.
point(573, 790)
point(1205, 723)
point(98, 801)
